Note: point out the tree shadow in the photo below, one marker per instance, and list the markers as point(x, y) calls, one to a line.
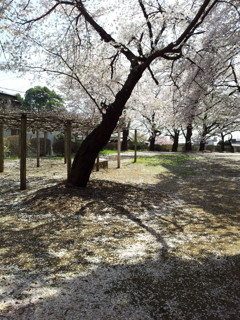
point(209, 184)
point(114, 251)
point(169, 288)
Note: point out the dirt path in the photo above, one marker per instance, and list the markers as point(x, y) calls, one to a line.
point(141, 242)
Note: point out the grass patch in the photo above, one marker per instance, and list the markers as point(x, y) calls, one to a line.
point(179, 164)
point(12, 158)
point(105, 152)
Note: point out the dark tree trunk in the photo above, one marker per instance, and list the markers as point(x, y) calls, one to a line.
point(231, 146)
point(85, 157)
point(205, 131)
point(124, 145)
point(188, 143)
point(175, 141)
point(222, 143)
point(152, 144)
point(202, 145)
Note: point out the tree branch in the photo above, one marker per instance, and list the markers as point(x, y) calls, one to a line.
point(106, 37)
point(148, 23)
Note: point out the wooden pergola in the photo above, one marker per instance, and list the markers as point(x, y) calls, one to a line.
point(46, 122)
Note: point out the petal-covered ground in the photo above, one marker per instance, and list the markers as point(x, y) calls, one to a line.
point(158, 239)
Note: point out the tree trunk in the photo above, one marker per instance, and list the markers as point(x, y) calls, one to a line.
point(124, 145)
point(188, 143)
point(85, 157)
point(202, 145)
point(231, 146)
point(152, 143)
point(175, 141)
point(222, 143)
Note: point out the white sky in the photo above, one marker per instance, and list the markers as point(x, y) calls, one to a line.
point(12, 83)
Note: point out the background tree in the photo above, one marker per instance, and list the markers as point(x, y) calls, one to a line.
point(42, 99)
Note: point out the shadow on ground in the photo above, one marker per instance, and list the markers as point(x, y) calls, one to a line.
point(115, 251)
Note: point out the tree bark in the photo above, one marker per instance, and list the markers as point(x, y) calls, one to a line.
point(85, 157)
point(152, 143)
point(231, 146)
point(188, 143)
point(175, 141)
point(222, 143)
point(202, 145)
point(124, 145)
point(1, 149)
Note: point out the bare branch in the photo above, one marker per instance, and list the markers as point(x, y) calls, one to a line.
point(42, 16)
point(148, 23)
point(197, 20)
point(152, 75)
point(235, 77)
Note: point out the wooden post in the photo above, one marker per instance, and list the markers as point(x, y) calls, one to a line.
point(1, 149)
point(135, 145)
point(38, 148)
point(119, 149)
point(65, 145)
point(68, 147)
point(97, 163)
point(23, 152)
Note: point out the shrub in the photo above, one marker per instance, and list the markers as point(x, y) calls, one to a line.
point(140, 145)
point(75, 146)
point(163, 147)
point(58, 147)
point(111, 146)
point(13, 145)
point(33, 145)
point(6, 149)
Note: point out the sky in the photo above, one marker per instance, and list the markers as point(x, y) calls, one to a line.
point(12, 83)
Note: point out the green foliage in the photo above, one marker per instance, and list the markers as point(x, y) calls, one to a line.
point(42, 98)
point(20, 100)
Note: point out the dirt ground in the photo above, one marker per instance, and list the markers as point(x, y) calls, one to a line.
point(157, 241)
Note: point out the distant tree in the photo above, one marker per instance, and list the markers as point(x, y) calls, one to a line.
point(20, 100)
point(42, 98)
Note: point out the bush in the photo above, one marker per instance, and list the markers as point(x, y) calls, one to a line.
point(58, 147)
point(140, 146)
point(6, 149)
point(33, 145)
point(75, 146)
point(12, 142)
point(111, 146)
point(163, 147)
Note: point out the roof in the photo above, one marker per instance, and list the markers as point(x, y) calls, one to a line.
point(11, 97)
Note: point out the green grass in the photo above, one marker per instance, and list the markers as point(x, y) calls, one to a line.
point(12, 158)
point(105, 152)
point(177, 164)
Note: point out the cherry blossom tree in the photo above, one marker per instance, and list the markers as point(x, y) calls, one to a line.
point(75, 36)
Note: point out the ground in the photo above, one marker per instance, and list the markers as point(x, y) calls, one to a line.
point(158, 239)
